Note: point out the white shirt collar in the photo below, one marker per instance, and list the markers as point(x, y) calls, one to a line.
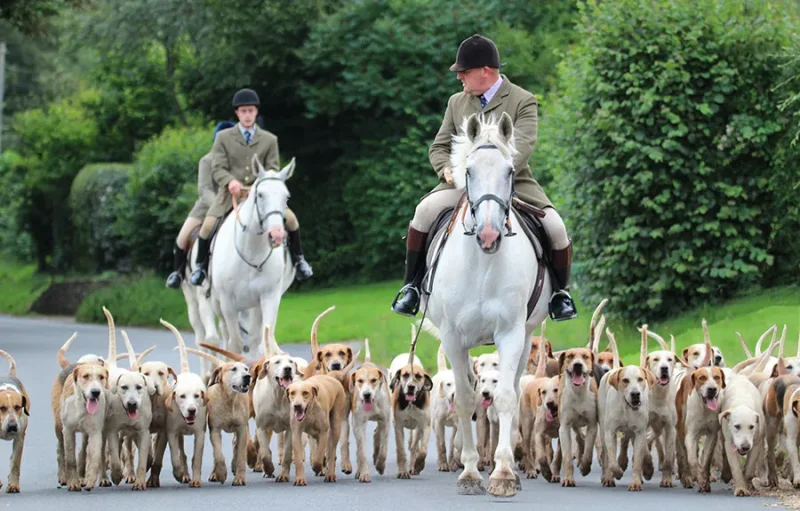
point(242, 130)
point(489, 94)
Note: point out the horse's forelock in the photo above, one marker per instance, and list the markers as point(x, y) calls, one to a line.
point(462, 146)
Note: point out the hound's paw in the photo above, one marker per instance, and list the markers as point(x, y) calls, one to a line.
point(419, 463)
point(239, 481)
point(741, 492)
point(586, 467)
point(331, 478)
point(443, 467)
point(635, 487)
point(531, 474)
point(74, 486)
point(258, 468)
point(568, 483)
point(796, 484)
point(608, 482)
point(363, 478)
point(104, 483)
point(704, 487)
point(403, 475)
point(12, 488)
point(139, 485)
point(687, 482)
point(666, 483)
point(116, 478)
point(130, 479)
point(283, 478)
point(195, 483)
point(154, 482)
point(617, 472)
point(380, 466)
point(347, 467)
point(300, 481)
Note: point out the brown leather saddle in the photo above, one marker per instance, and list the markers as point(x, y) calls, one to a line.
point(529, 217)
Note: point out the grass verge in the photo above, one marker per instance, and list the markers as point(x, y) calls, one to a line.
point(20, 286)
point(364, 311)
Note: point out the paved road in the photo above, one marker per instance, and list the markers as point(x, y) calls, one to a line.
point(34, 342)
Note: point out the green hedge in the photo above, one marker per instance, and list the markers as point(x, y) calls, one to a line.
point(663, 142)
point(160, 193)
point(94, 202)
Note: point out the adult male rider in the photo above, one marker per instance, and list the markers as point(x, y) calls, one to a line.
point(477, 66)
point(232, 169)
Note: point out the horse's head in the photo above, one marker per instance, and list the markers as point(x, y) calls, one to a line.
point(270, 195)
point(482, 162)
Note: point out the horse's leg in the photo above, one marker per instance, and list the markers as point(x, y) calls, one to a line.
point(231, 317)
point(513, 349)
point(470, 481)
point(190, 294)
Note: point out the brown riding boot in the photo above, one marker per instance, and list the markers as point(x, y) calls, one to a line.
point(562, 307)
point(408, 304)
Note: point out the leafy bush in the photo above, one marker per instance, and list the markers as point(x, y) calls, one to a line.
point(95, 208)
point(160, 193)
point(55, 143)
point(15, 241)
point(663, 140)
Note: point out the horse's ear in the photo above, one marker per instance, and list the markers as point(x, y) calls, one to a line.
point(473, 127)
point(256, 163)
point(506, 127)
point(287, 171)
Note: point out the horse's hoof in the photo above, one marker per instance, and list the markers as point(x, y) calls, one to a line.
point(469, 486)
point(503, 487)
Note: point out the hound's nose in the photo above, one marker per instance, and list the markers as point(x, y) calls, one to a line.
point(335, 366)
point(711, 393)
point(636, 396)
point(664, 372)
point(12, 428)
point(246, 379)
point(487, 394)
point(95, 394)
point(367, 396)
point(717, 359)
point(192, 411)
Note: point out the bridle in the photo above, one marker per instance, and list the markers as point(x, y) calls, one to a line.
point(261, 220)
point(504, 204)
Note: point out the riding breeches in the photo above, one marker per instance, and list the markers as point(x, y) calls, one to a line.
point(208, 224)
point(433, 204)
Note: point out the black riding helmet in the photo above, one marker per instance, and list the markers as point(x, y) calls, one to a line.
point(245, 97)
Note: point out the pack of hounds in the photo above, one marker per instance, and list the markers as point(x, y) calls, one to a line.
point(702, 417)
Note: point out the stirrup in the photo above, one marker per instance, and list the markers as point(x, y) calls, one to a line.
point(404, 292)
point(565, 300)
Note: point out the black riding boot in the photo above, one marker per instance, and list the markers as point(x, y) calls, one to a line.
point(303, 269)
point(562, 307)
point(179, 265)
point(199, 275)
point(408, 304)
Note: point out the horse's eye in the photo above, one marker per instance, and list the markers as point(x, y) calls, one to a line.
point(260, 195)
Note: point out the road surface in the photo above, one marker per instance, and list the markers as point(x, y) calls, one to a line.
point(34, 342)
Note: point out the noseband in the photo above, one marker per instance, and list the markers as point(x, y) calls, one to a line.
point(261, 220)
point(505, 205)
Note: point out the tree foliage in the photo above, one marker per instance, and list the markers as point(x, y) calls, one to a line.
point(663, 140)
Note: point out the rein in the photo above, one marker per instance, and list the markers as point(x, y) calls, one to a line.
point(504, 204)
point(258, 267)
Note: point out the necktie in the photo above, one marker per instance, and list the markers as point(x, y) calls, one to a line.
point(483, 101)
point(247, 137)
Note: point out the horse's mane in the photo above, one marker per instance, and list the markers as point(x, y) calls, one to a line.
point(462, 146)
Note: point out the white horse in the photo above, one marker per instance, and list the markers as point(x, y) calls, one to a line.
point(480, 291)
point(250, 266)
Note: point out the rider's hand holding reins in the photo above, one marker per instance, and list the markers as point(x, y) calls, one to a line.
point(235, 187)
point(448, 175)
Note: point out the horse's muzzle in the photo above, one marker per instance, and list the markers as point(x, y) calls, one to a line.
point(489, 239)
point(276, 236)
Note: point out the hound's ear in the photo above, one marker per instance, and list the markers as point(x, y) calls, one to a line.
point(506, 127)
point(538, 397)
point(349, 355)
point(172, 372)
point(593, 358)
point(216, 376)
point(561, 359)
point(722, 378)
point(794, 408)
point(204, 394)
point(724, 416)
point(26, 404)
point(315, 391)
point(774, 373)
point(151, 388)
point(428, 385)
point(549, 349)
point(116, 384)
point(75, 374)
point(168, 401)
point(685, 355)
point(651, 378)
point(441, 389)
point(647, 361)
point(473, 127)
point(319, 357)
point(263, 370)
point(395, 381)
point(353, 379)
point(694, 382)
point(613, 379)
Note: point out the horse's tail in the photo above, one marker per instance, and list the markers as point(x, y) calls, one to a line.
point(428, 326)
point(181, 346)
point(63, 362)
point(112, 339)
